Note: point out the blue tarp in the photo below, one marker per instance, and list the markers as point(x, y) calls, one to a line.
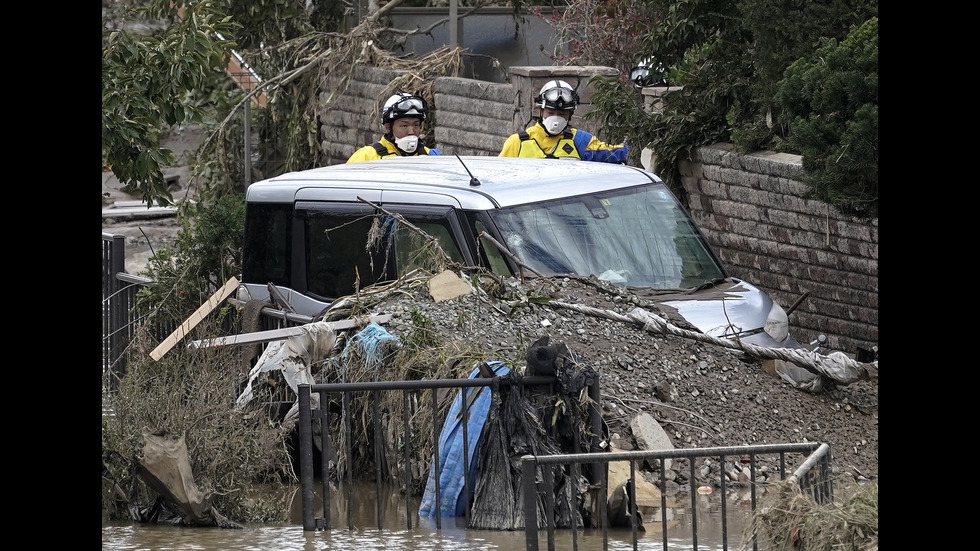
point(451, 467)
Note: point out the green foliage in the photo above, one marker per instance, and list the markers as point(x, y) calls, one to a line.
point(618, 110)
point(421, 335)
point(830, 102)
point(145, 81)
point(177, 75)
point(783, 33)
point(205, 254)
point(730, 56)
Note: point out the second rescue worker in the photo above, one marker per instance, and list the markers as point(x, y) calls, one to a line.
point(401, 119)
point(552, 137)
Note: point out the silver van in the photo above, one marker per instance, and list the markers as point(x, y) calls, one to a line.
point(318, 233)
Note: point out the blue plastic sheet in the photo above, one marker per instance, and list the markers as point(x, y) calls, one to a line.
point(451, 450)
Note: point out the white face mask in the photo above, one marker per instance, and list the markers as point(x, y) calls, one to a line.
point(554, 124)
point(408, 144)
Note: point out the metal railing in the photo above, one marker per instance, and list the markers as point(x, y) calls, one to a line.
point(119, 291)
point(306, 442)
point(120, 318)
point(814, 475)
point(538, 484)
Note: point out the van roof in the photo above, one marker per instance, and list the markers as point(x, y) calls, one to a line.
point(469, 182)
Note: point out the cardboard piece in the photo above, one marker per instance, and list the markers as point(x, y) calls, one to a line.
point(448, 285)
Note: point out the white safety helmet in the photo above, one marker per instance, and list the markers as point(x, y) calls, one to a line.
point(648, 72)
point(401, 105)
point(557, 94)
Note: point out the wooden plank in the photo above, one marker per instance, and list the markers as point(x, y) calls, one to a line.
point(194, 319)
point(285, 333)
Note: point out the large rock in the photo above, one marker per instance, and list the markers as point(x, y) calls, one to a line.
point(649, 435)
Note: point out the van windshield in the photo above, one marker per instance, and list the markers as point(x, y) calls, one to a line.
point(637, 236)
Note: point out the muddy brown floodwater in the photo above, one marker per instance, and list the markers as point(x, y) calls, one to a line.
point(424, 535)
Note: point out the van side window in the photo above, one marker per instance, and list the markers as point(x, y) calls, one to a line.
point(413, 252)
point(347, 246)
point(267, 249)
point(337, 259)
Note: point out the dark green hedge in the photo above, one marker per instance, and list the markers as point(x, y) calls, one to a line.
point(798, 77)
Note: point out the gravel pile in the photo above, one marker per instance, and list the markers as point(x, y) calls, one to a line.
point(702, 394)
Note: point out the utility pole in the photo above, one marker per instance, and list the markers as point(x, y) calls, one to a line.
point(455, 29)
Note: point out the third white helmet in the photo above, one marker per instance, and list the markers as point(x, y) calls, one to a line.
point(557, 94)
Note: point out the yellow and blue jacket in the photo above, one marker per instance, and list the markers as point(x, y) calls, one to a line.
point(535, 142)
point(385, 149)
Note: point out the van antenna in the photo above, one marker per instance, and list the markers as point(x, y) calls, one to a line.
point(473, 180)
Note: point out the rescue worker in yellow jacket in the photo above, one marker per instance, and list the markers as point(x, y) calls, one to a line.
point(551, 137)
point(401, 118)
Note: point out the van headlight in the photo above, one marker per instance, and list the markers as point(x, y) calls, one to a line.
point(777, 324)
point(243, 294)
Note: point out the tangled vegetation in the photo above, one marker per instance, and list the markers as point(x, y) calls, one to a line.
point(732, 60)
point(191, 393)
point(792, 520)
point(241, 451)
point(289, 45)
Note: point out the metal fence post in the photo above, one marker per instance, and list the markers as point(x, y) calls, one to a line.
point(248, 144)
point(528, 479)
point(595, 419)
point(306, 457)
point(118, 318)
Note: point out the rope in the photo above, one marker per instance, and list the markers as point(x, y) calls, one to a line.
point(837, 366)
point(367, 345)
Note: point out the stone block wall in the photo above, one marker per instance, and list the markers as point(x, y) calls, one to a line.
point(752, 208)
point(754, 211)
point(473, 116)
point(470, 117)
point(353, 119)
